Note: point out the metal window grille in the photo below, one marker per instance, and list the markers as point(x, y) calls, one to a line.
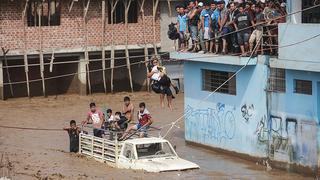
point(313, 15)
point(211, 80)
point(303, 87)
point(277, 80)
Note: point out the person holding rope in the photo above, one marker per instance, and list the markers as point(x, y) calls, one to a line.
point(73, 132)
point(144, 122)
point(96, 118)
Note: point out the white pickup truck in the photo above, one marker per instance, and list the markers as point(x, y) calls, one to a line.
point(150, 154)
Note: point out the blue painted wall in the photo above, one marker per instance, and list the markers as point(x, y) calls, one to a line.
point(300, 35)
point(282, 126)
point(294, 121)
point(225, 121)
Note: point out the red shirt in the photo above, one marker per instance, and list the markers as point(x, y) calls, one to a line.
point(144, 119)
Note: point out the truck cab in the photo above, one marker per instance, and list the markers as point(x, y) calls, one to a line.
point(152, 155)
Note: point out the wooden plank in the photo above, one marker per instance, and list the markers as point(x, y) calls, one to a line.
point(155, 7)
point(112, 67)
point(129, 68)
point(127, 7)
point(86, 9)
point(86, 53)
point(146, 59)
point(1, 81)
point(26, 70)
point(5, 52)
point(42, 74)
point(146, 54)
point(169, 7)
point(41, 53)
point(25, 56)
point(70, 5)
point(113, 7)
point(103, 23)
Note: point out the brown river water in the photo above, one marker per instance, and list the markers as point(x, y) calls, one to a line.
point(27, 154)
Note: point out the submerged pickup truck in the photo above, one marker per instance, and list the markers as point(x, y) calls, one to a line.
point(150, 154)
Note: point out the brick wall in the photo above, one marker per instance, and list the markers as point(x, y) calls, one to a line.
point(71, 32)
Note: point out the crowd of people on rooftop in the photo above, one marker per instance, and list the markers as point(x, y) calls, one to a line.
point(226, 27)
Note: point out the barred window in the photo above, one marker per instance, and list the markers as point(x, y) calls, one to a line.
point(119, 13)
point(45, 11)
point(211, 80)
point(303, 86)
point(277, 80)
point(312, 15)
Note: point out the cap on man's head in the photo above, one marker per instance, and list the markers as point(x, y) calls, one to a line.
point(200, 4)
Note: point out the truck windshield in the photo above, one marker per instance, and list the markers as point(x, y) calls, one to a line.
point(154, 150)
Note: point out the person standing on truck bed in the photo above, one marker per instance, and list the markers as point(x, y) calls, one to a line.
point(128, 109)
point(144, 121)
point(95, 117)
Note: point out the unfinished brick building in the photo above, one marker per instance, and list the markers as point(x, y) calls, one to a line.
point(82, 41)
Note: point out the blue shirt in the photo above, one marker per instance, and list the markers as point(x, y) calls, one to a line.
point(182, 20)
point(215, 18)
point(206, 14)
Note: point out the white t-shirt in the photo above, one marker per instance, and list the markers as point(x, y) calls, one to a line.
point(111, 118)
point(156, 74)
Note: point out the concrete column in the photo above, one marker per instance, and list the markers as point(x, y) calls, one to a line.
point(82, 76)
point(1, 81)
point(294, 6)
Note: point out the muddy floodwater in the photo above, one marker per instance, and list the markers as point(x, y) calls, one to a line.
point(27, 154)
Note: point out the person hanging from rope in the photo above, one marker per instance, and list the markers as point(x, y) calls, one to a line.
point(144, 122)
point(73, 132)
point(161, 83)
point(96, 118)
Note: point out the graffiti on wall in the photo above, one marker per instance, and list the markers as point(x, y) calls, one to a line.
point(288, 139)
point(210, 125)
point(262, 130)
point(247, 111)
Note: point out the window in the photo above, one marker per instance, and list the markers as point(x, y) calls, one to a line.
point(49, 11)
point(312, 15)
point(303, 87)
point(119, 13)
point(211, 80)
point(128, 151)
point(277, 80)
point(154, 150)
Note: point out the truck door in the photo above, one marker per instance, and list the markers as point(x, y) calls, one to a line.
point(127, 157)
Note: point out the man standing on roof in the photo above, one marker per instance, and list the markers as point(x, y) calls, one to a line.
point(194, 18)
point(95, 117)
point(205, 23)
